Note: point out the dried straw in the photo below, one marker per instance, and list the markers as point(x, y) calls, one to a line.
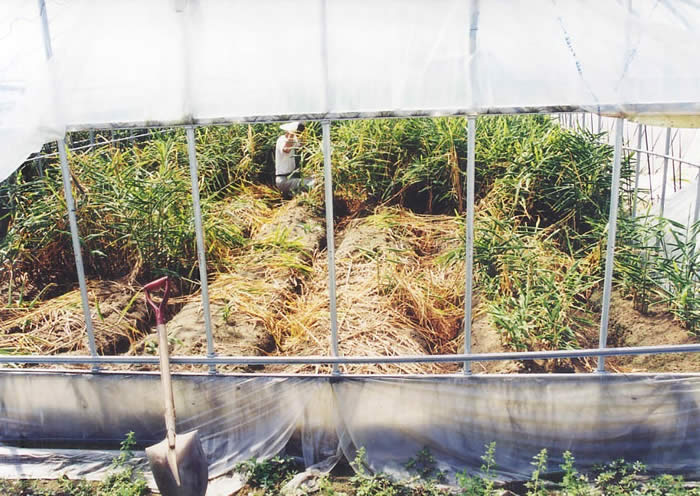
point(393, 296)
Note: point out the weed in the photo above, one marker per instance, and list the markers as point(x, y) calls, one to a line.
point(534, 485)
point(325, 487)
point(125, 480)
point(482, 485)
point(268, 475)
point(573, 483)
point(619, 477)
point(667, 485)
point(425, 466)
point(366, 484)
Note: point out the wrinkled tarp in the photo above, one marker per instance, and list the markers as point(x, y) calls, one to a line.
point(598, 417)
point(163, 62)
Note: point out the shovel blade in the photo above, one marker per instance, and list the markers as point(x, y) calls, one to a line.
point(191, 467)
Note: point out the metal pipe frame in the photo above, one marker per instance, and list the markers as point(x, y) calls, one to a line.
point(469, 248)
point(351, 360)
point(192, 153)
point(335, 360)
point(325, 117)
point(212, 360)
point(662, 155)
point(636, 173)
point(607, 110)
point(70, 204)
point(612, 227)
point(80, 269)
point(86, 147)
point(330, 238)
point(696, 215)
point(665, 176)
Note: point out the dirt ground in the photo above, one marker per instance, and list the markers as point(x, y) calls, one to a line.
point(630, 328)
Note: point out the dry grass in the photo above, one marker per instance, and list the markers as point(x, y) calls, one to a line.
point(58, 326)
point(392, 297)
point(249, 298)
point(121, 322)
point(395, 297)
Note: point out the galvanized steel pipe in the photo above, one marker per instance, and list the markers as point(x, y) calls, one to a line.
point(330, 237)
point(665, 176)
point(326, 360)
point(469, 248)
point(192, 153)
point(612, 226)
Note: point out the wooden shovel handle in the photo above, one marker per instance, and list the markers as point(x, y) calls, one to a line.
point(167, 384)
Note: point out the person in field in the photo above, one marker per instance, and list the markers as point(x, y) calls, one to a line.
point(286, 172)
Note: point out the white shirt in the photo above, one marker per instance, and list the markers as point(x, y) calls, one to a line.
point(285, 162)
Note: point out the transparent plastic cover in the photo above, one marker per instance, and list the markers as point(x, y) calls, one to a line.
point(130, 62)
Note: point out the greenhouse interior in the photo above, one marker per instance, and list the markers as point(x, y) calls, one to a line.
point(386, 247)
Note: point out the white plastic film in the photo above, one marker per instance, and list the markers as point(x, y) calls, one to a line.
point(175, 62)
point(651, 418)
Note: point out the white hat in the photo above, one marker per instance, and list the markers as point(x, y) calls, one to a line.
point(291, 127)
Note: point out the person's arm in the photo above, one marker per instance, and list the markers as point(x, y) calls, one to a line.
point(290, 144)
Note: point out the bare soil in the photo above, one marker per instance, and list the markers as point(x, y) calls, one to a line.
point(630, 328)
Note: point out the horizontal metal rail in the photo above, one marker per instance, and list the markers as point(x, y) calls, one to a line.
point(662, 155)
point(607, 110)
point(85, 147)
point(348, 360)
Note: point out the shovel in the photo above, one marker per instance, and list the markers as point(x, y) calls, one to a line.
point(178, 462)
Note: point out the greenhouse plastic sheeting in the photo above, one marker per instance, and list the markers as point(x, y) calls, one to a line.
point(163, 62)
point(651, 418)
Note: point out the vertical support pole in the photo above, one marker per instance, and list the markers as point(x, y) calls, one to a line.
point(469, 248)
point(696, 215)
point(92, 139)
point(192, 154)
point(612, 227)
point(649, 168)
point(667, 150)
point(637, 170)
point(600, 123)
point(45, 29)
point(330, 237)
point(70, 203)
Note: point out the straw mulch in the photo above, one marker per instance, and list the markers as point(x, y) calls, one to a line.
point(121, 321)
point(55, 326)
point(394, 297)
point(247, 300)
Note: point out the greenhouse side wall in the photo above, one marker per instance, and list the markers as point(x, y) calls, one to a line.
point(598, 417)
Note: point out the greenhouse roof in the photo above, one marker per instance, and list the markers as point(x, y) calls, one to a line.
point(79, 64)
